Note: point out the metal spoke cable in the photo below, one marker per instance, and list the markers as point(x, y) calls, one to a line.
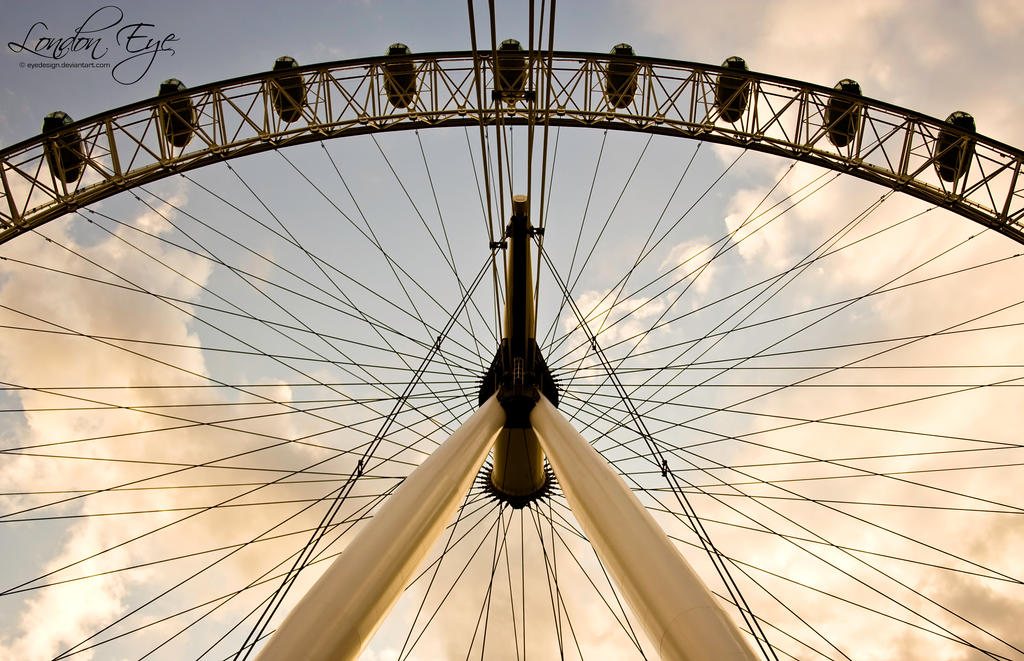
point(172, 487)
point(243, 352)
point(859, 560)
point(948, 634)
point(333, 402)
point(830, 420)
point(395, 267)
point(152, 531)
point(801, 267)
point(845, 600)
point(544, 208)
point(213, 424)
point(863, 471)
point(320, 268)
point(554, 590)
point(451, 255)
point(724, 245)
point(494, 228)
point(726, 241)
point(611, 213)
point(658, 389)
point(219, 601)
point(287, 474)
point(152, 358)
point(316, 559)
point(193, 508)
point(219, 424)
point(849, 301)
point(409, 647)
point(712, 364)
point(499, 115)
point(322, 556)
point(374, 240)
point(556, 342)
point(485, 610)
point(241, 314)
point(448, 256)
point(728, 245)
point(602, 410)
point(646, 249)
point(565, 524)
point(689, 281)
point(194, 316)
point(433, 575)
point(148, 357)
point(558, 519)
point(872, 355)
point(579, 238)
point(794, 367)
point(76, 648)
point(182, 556)
point(464, 293)
point(706, 490)
point(808, 540)
point(351, 311)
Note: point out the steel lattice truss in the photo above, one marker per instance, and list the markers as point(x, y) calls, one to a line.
point(894, 147)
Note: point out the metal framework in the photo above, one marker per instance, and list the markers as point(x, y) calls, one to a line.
point(75, 164)
point(133, 145)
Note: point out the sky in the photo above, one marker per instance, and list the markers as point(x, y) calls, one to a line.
point(311, 276)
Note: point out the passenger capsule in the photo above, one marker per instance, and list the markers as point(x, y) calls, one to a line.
point(953, 151)
point(732, 91)
point(510, 68)
point(400, 77)
point(177, 117)
point(842, 115)
point(287, 91)
point(63, 148)
point(620, 81)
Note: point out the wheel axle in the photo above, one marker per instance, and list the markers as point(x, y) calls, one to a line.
point(518, 373)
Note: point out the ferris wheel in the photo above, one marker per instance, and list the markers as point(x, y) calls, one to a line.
point(467, 359)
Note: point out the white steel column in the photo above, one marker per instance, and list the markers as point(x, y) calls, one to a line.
point(681, 617)
point(340, 613)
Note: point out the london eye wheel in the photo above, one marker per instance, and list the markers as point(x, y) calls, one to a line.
point(214, 377)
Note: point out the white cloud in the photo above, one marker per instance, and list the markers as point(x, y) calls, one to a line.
point(695, 258)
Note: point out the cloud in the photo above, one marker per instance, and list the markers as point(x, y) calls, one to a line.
point(53, 618)
point(695, 259)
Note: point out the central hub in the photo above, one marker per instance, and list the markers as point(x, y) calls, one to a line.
point(518, 373)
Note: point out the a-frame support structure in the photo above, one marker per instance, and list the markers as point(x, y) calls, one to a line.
point(336, 619)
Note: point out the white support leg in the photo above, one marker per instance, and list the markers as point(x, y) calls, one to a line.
point(681, 617)
point(337, 617)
